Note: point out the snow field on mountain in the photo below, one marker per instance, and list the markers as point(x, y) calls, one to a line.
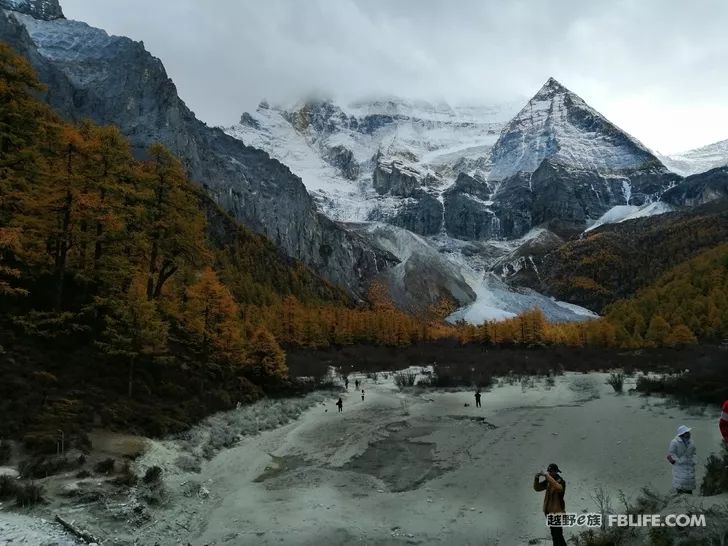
point(698, 160)
point(622, 213)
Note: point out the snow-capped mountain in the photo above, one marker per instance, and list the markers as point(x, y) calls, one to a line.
point(47, 10)
point(469, 172)
point(380, 159)
point(557, 163)
point(557, 125)
point(474, 183)
point(698, 160)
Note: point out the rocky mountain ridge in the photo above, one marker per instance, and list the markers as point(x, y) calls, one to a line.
point(114, 80)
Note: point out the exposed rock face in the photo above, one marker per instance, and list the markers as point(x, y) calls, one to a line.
point(560, 164)
point(423, 275)
point(319, 116)
point(521, 266)
point(396, 179)
point(467, 217)
point(422, 215)
point(40, 9)
point(699, 189)
point(114, 80)
point(472, 213)
point(343, 159)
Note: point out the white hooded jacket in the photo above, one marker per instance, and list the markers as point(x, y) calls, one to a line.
point(683, 470)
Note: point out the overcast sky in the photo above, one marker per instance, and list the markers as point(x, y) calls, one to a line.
point(656, 68)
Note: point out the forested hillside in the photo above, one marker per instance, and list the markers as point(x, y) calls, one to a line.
point(130, 300)
point(128, 296)
point(616, 260)
point(688, 302)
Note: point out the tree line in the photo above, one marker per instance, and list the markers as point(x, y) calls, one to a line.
point(94, 239)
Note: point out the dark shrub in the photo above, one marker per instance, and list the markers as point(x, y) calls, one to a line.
point(8, 487)
point(105, 467)
point(152, 475)
point(5, 451)
point(42, 467)
point(45, 442)
point(616, 380)
point(404, 379)
point(29, 494)
point(715, 480)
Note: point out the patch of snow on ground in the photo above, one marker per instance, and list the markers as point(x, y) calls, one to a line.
point(622, 213)
point(497, 301)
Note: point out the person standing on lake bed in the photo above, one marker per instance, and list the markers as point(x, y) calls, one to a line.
point(553, 500)
point(681, 455)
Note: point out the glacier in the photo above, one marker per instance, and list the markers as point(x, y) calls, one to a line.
point(622, 213)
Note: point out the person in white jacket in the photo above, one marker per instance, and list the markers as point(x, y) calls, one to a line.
point(681, 455)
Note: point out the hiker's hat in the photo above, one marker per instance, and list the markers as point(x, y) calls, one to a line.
point(682, 429)
point(553, 467)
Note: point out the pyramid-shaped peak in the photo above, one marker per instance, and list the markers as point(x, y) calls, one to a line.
point(558, 125)
point(550, 88)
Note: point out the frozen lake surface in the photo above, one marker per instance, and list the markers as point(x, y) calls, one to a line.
point(412, 467)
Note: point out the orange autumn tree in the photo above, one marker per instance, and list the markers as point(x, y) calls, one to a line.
point(265, 358)
point(212, 318)
point(21, 124)
point(173, 228)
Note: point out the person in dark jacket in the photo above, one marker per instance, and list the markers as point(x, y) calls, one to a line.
point(340, 404)
point(553, 500)
point(477, 398)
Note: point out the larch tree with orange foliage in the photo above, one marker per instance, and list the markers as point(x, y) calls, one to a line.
point(265, 358)
point(174, 227)
point(211, 317)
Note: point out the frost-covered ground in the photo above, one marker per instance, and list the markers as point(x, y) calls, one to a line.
point(31, 531)
point(422, 467)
